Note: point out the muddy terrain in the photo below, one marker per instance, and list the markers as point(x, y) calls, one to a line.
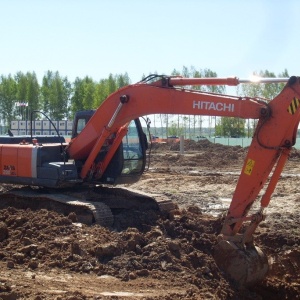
point(45, 255)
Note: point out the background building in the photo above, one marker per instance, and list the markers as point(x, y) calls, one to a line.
point(41, 127)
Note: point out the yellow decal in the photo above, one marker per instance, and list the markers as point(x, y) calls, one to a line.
point(249, 166)
point(293, 106)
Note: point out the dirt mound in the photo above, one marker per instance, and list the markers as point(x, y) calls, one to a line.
point(178, 250)
point(44, 255)
point(191, 145)
point(206, 154)
point(203, 154)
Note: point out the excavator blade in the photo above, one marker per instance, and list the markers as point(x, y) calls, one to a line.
point(245, 266)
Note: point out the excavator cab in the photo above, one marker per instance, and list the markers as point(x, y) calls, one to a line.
point(80, 120)
point(128, 162)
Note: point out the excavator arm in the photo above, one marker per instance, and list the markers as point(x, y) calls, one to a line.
point(273, 139)
point(271, 144)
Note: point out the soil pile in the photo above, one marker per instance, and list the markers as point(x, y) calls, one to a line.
point(206, 153)
point(44, 255)
point(178, 250)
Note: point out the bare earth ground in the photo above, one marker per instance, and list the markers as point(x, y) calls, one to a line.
point(44, 255)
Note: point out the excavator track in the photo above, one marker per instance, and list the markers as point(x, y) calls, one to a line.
point(96, 205)
point(127, 198)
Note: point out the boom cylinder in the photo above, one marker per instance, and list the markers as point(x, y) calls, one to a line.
point(230, 81)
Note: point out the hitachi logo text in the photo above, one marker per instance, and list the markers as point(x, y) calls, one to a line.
point(213, 106)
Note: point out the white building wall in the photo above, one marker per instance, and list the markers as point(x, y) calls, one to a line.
point(41, 127)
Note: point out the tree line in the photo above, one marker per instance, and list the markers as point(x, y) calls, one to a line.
point(56, 96)
point(59, 99)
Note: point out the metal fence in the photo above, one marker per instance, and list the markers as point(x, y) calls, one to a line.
point(243, 142)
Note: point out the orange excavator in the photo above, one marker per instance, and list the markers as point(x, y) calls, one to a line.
point(108, 146)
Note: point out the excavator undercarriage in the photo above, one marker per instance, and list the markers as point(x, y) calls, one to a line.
point(92, 205)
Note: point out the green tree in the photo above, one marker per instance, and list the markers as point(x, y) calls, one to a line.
point(88, 94)
point(28, 91)
point(122, 80)
point(46, 91)
point(33, 91)
point(55, 92)
point(88, 87)
point(106, 87)
point(77, 96)
point(174, 130)
point(101, 92)
point(21, 81)
point(230, 127)
point(67, 88)
point(20, 95)
point(8, 92)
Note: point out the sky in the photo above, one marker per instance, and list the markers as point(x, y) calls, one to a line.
point(96, 38)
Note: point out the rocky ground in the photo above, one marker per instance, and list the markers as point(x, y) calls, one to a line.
point(45, 255)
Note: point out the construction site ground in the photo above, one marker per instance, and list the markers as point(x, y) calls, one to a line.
point(45, 255)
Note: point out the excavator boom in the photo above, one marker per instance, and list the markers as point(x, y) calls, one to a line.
point(141, 99)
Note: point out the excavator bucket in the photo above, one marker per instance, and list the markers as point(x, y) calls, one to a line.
point(245, 266)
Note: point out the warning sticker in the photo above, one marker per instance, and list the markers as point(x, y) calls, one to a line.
point(249, 166)
point(293, 106)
